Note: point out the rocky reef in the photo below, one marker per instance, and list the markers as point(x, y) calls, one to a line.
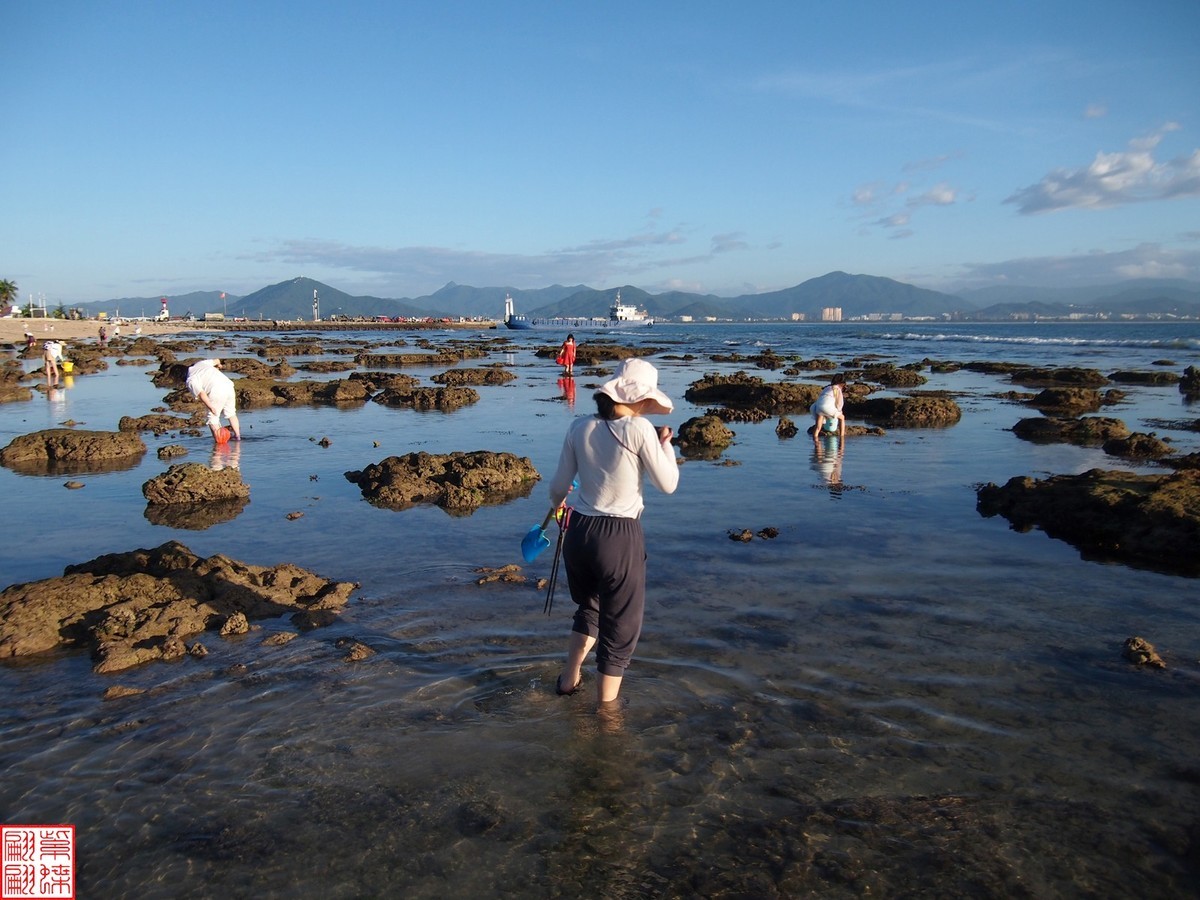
point(458, 482)
point(144, 605)
point(1151, 521)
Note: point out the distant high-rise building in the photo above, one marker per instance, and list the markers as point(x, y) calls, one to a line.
point(831, 314)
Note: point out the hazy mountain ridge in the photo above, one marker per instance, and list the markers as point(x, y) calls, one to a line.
point(856, 295)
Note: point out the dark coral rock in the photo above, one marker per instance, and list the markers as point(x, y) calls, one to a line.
point(58, 451)
point(1152, 521)
point(703, 437)
point(917, 410)
point(742, 391)
point(131, 608)
point(1089, 431)
point(457, 482)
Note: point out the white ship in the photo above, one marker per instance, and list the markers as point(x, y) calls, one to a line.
point(627, 312)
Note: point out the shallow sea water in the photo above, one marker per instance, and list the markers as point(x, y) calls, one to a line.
point(895, 696)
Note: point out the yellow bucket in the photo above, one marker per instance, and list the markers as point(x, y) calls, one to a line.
point(68, 366)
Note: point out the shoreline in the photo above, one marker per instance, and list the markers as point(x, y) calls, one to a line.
point(13, 331)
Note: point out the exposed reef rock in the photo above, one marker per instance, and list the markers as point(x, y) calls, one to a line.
point(338, 392)
point(11, 389)
point(1141, 652)
point(749, 392)
point(194, 483)
point(592, 353)
point(1150, 378)
point(1032, 376)
point(916, 410)
point(327, 365)
point(725, 414)
point(443, 399)
point(405, 360)
point(458, 482)
point(1137, 446)
point(1067, 401)
point(460, 377)
point(1090, 431)
point(135, 607)
point(58, 451)
point(194, 497)
point(160, 423)
point(703, 437)
point(851, 431)
point(890, 376)
point(1151, 521)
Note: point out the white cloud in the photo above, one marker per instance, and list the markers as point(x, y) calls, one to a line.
point(892, 207)
point(1095, 111)
point(1146, 260)
point(1114, 179)
point(939, 195)
point(864, 195)
point(599, 261)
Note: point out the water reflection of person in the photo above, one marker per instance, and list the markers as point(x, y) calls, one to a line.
point(827, 459)
point(566, 384)
point(226, 456)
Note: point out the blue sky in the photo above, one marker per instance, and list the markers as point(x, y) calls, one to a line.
point(388, 148)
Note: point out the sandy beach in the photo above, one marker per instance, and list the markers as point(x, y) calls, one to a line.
point(13, 330)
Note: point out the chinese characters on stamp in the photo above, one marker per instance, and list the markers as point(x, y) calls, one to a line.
point(38, 862)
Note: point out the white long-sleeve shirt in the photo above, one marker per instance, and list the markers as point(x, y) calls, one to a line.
point(205, 376)
point(609, 457)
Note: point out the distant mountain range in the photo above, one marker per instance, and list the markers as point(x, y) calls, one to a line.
point(857, 296)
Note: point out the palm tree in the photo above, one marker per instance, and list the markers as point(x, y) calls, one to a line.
point(8, 292)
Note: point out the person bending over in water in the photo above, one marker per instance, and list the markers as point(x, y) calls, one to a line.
point(604, 549)
point(214, 389)
point(51, 353)
point(829, 406)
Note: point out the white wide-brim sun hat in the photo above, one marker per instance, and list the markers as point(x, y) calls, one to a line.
point(636, 380)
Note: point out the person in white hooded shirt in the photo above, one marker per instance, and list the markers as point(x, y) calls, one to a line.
point(214, 389)
point(604, 551)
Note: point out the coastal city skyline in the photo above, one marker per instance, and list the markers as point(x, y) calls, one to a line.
point(390, 150)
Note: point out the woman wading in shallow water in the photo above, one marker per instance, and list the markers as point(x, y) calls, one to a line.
point(604, 549)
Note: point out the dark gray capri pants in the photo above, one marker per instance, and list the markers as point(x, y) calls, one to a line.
point(605, 558)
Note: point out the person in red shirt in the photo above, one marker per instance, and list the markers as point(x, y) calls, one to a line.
point(566, 355)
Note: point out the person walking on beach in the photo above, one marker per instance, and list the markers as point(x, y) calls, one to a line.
point(51, 353)
point(566, 356)
point(214, 389)
point(103, 336)
point(829, 406)
point(604, 549)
